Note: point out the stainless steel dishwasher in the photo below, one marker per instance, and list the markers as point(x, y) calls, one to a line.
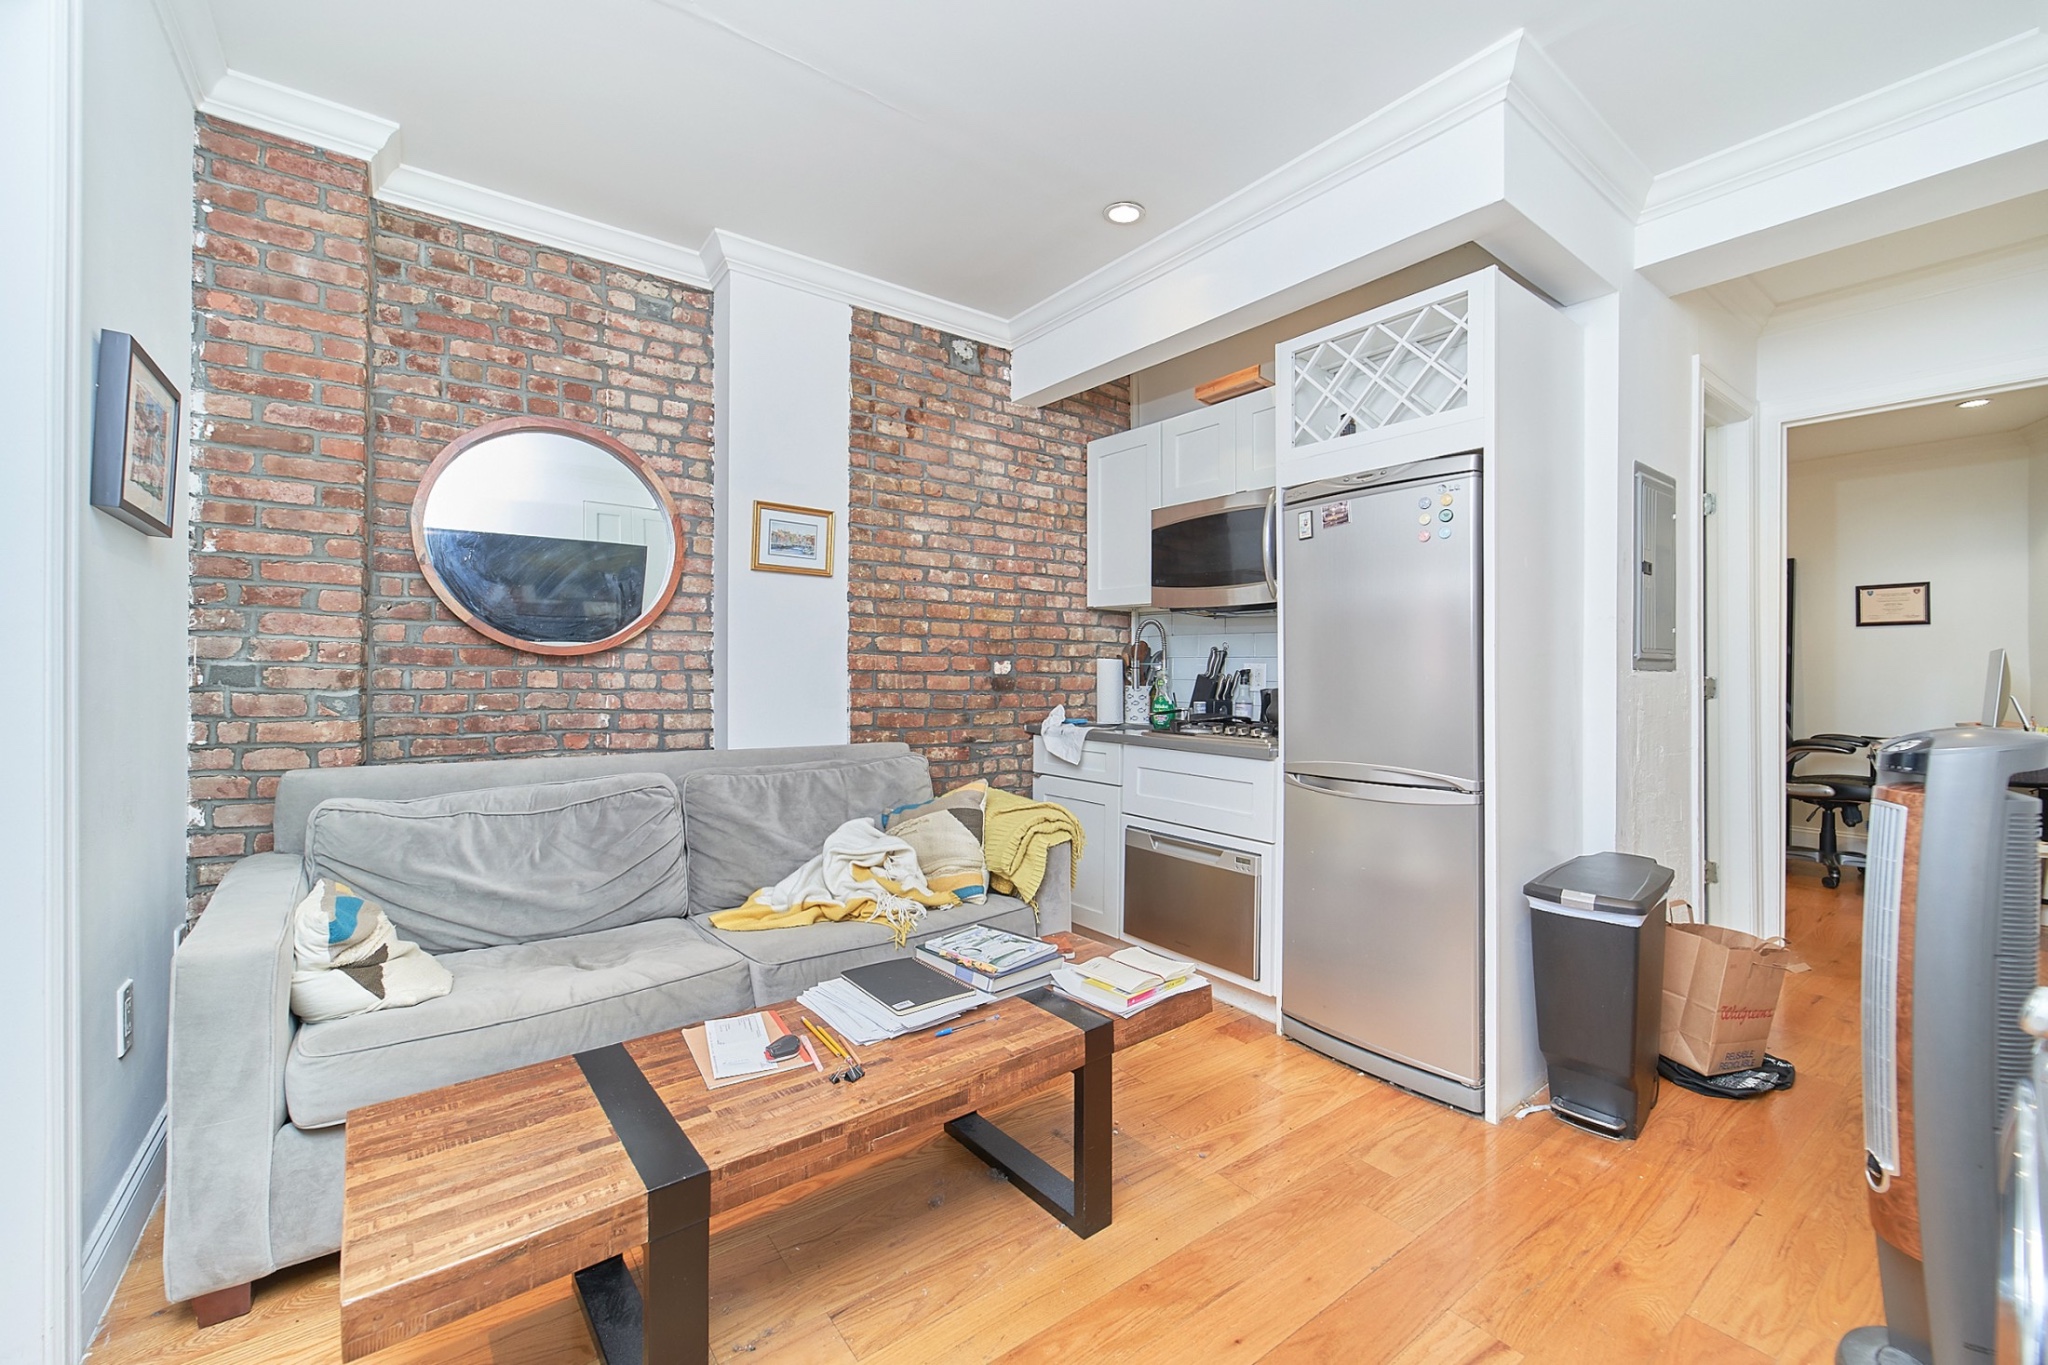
point(1198, 899)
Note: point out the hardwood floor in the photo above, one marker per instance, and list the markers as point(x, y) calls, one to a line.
point(1271, 1206)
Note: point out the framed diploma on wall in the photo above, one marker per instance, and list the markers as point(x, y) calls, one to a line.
point(1892, 604)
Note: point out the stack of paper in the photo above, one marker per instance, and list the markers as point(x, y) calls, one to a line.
point(857, 1016)
point(1069, 981)
point(738, 1046)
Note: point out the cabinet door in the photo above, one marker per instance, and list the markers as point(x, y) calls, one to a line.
point(1099, 880)
point(1123, 478)
point(1255, 448)
point(1198, 455)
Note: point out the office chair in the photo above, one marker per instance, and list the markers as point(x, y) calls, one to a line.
point(1830, 793)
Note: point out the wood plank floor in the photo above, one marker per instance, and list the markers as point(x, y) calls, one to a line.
point(1270, 1205)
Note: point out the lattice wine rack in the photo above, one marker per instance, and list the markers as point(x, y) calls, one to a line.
point(1396, 370)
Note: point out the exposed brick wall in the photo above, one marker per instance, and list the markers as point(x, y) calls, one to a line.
point(470, 326)
point(315, 329)
point(967, 542)
point(280, 291)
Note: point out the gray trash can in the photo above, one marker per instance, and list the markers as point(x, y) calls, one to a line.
point(1597, 931)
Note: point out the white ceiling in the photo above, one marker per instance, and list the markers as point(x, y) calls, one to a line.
point(966, 150)
point(1995, 228)
point(1944, 421)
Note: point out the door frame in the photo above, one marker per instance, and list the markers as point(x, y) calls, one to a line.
point(1718, 405)
point(1770, 539)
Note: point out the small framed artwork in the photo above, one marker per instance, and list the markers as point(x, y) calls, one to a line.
point(134, 438)
point(1893, 604)
point(792, 539)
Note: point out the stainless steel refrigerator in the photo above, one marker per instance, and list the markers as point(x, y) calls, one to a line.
point(1382, 937)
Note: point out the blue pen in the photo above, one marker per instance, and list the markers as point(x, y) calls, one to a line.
point(955, 1028)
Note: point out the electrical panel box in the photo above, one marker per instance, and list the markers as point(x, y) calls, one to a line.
point(1656, 571)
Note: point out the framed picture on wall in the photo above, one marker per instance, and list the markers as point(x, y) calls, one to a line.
point(1893, 604)
point(792, 539)
point(134, 438)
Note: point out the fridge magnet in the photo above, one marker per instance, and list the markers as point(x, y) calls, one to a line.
point(134, 437)
point(1893, 604)
point(1305, 526)
point(792, 539)
point(1336, 514)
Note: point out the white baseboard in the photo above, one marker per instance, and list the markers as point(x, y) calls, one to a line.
point(1251, 1002)
point(111, 1243)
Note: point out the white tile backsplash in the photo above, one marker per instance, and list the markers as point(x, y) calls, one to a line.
point(1251, 640)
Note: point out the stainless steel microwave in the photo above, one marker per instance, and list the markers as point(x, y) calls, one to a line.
point(1217, 553)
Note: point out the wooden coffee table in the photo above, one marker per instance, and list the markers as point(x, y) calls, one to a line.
point(463, 1197)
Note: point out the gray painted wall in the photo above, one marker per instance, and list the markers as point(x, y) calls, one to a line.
point(136, 270)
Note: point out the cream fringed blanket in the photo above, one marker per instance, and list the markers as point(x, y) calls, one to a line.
point(861, 874)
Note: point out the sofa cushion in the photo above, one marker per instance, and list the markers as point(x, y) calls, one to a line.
point(509, 864)
point(513, 1005)
point(785, 962)
point(748, 830)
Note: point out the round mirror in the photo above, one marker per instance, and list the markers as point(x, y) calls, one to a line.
point(546, 536)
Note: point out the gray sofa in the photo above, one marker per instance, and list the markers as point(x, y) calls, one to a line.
point(258, 1100)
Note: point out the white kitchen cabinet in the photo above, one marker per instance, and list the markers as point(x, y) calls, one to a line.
point(1216, 792)
point(1099, 879)
point(1123, 481)
point(1255, 439)
point(1198, 455)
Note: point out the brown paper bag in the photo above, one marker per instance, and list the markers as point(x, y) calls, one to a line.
point(1721, 989)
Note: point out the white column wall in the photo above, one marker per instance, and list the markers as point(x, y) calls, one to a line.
point(782, 380)
point(38, 90)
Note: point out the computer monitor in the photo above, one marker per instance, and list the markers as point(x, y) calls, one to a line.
point(1998, 697)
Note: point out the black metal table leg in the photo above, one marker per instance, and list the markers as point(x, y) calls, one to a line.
point(671, 1323)
point(1082, 1203)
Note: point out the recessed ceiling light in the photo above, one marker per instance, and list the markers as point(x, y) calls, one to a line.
point(1124, 211)
point(1975, 403)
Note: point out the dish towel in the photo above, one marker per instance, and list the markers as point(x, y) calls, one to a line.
point(1062, 740)
point(860, 874)
point(1017, 833)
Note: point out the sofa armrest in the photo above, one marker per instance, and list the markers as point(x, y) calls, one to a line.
point(1056, 892)
point(231, 1027)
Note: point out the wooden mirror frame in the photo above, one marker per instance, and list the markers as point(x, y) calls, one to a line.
point(618, 450)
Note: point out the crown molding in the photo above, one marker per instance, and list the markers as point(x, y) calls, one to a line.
point(1744, 299)
point(1942, 277)
point(728, 253)
point(2019, 63)
point(242, 98)
point(1465, 90)
point(446, 197)
point(195, 45)
point(1539, 91)
point(1514, 71)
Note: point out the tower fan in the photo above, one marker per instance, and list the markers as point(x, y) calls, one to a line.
point(1951, 906)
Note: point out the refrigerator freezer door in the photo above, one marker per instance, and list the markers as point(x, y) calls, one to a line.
point(1382, 628)
point(1381, 940)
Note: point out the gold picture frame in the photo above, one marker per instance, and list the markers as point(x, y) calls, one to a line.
point(791, 539)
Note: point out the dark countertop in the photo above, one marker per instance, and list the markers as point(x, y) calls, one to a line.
point(1194, 744)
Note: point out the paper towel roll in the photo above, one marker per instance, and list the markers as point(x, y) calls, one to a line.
point(1109, 691)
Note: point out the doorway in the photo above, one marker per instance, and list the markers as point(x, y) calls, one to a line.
point(1873, 679)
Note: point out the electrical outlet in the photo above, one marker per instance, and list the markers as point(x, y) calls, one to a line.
point(1258, 676)
point(124, 1016)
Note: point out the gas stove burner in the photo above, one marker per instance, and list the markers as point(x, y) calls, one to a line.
point(1222, 728)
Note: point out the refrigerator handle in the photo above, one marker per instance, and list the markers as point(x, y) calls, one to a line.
point(1400, 794)
point(1267, 539)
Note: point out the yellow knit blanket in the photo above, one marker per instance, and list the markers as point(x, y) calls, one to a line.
point(1017, 833)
